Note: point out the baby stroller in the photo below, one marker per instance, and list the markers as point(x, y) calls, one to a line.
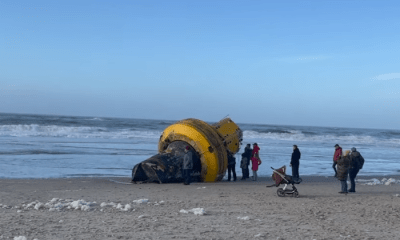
point(280, 177)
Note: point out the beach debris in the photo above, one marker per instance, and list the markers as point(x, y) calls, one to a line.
point(375, 181)
point(201, 187)
point(243, 218)
point(397, 195)
point(259, 235)
point(195, 211)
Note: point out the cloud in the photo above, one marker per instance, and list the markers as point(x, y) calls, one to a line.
point(388, 76)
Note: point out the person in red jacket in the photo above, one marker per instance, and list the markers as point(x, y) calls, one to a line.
point(336, 156)
point(255, 160)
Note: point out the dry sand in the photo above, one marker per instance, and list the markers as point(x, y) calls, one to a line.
point(233, 210)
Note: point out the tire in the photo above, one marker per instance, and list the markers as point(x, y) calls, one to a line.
point(296, 194)
point(280, 192)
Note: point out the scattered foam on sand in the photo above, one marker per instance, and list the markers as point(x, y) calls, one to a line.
point(183, 211)
point(195, 211)
point(58, 204)
point(375, 181)
point(244, 218)
point(20, 238)
point(141, 201)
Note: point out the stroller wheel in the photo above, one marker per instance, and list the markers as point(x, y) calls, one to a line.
point(280, 192)
point(296, 194)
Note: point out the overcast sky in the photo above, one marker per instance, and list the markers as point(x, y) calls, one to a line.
point(317, 63)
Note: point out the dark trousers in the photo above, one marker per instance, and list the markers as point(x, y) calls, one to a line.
point(334, 167)
point(344, 185)
point(245, 173)
point(295, 171)
point(186, 175)
point(353, 174)
point(231, 167)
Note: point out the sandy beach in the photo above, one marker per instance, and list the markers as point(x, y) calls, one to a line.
point(113, 208)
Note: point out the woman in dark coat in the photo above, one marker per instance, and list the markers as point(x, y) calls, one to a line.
point(295, 162)
point(343, 165)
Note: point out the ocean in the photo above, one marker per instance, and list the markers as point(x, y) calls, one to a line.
point(45, 146)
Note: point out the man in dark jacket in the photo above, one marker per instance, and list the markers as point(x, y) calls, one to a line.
point(295, 162)
point(246, 155)
point(356, 163)
point(187, 165)
point(336, 156)
point(231, 167)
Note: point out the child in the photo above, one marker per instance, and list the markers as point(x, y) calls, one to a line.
point(255, 160)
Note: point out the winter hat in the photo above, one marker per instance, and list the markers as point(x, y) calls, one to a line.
point(353, 149)
point(336, 145)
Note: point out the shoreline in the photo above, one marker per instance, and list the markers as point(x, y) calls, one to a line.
point(361, 176)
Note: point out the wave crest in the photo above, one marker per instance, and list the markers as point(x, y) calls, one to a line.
point(35, 130)
point(294, 135)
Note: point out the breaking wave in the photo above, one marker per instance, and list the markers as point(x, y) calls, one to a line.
point(294, 135)
point(35, 130)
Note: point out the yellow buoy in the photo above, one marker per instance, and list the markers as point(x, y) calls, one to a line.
point(212, 143)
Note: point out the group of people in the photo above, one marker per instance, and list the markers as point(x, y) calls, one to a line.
point(249, 155)
point(253, 156)
point(345, 165)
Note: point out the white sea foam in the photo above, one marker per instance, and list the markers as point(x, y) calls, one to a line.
point(195, 211)
point(141, 201)
point(57, 204)
point(20, 238)
point(35, 130)
point(383, 181)
point(299, 136)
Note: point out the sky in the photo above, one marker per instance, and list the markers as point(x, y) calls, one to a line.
point(312, 63)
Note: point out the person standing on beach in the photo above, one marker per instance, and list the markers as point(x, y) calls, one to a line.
point(187, 165)
point(356, 163)
point(295, 162)
point(244, 164)
point(231, 167)
point(343, 165)
point(255, 160)
point(336, 157)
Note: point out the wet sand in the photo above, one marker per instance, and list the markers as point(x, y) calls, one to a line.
point(233, 210)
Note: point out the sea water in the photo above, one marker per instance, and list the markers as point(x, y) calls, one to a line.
point(42, 146)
